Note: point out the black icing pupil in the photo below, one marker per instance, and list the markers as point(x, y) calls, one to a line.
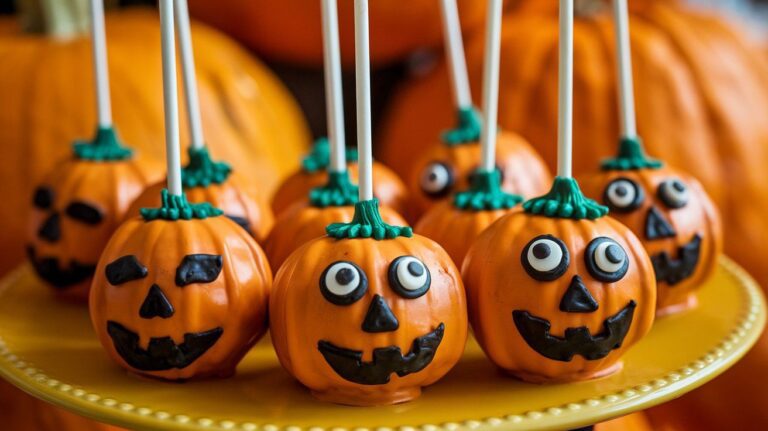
point(345, 276)
point(621, 191)
point(677, 185)
point(415, 269)
point(432, 176)
point(541, 251)
point(614, 254)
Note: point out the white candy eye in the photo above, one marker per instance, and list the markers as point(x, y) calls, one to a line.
point(545, 258)
point(623, 195)
point(343, 283)
point(606, 260)
point(437, 179)
point(409, 277)
point(674, 193)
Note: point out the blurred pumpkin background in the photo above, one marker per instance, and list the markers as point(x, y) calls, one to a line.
point(701, 71)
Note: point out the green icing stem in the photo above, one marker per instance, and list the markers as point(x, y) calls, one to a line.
point(485, 193)
point(105, 146)
point(175, 208)
point(367, 223)
point(338, 192)
point(467, 130)
point(202, 171)
point(631, 156)
point(320, 156)
point(565, 200)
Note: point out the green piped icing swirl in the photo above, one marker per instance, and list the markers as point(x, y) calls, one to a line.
point(175, 208)
point(320, 156)
point(565, 200)
point(485, 193)
point(467, 130)
point(105, 146)
point(338, 192)
point(202, 171)
point(367, 223)
point(631, 156)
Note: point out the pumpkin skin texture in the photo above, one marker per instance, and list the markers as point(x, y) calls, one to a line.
point(522, 169)
point(221, 315)
point(297, 297)
point(388, 187)
point(500, 289)
point(304, 222)
point(75, 210)
point(650, 218)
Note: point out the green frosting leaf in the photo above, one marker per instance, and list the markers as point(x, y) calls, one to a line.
point(485, 193)
point(320, 156)
point(467, 130)
point(565, 200)
point(338, 192)
point(178, 208)
point(202, 171)
point(105, 146)
point(367, 223)
point(631, 156)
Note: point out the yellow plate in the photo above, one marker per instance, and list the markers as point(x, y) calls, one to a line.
point(49, 350)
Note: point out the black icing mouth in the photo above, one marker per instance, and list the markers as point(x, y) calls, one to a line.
point(386, 360)
point(673, 271)
point(163, 353)
point(48, 269)
point(577, 341)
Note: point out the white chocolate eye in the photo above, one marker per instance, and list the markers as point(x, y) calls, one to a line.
point(545, 258)
point(674, 193)
point(409, 277)
point(437, 179)
point(343, 283)
point(623, 195)
point(606, 260)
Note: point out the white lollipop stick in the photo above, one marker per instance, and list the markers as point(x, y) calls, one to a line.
point(624, 53)
point(170, 97)
point(565, 92)
point(363, 87)
point(491, 86)
point(454, 50)
point(334, 103)
point(100, 71)
point(188, 73)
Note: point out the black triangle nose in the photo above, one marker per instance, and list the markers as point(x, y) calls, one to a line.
point(156, 304)
point(51, 228)
point(379, 317)
point(656, 226)
point(577, 298)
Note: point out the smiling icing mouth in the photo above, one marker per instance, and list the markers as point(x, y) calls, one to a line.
point(49, 269)
point(349, 363)
point(673, 271)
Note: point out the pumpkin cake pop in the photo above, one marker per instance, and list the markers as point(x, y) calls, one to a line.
point(80, 203)
point(666, 208)
point(180, 292)
point(559, 291)
point(456, 224)
point(386, 308)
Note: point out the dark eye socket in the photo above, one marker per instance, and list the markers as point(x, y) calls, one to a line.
point(125, 269)
point(545, 258)
point(43, 198)
point(343, 283)
point(198, 268)
point(409, 277)
point(83, 212)
point(606, 260)
point(674, 193)
point(437, 179)
point(623, 195)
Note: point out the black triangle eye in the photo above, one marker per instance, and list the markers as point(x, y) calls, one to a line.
point(606, 260)
point(84, 212)
point(125, 269)
point(198, 268)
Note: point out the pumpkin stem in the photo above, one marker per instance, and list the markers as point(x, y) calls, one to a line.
point(485, 193)
point(105, 146)
point(565, 200)
point(202, 171)
point(320, 156)
point(631, 156)
point(338, 192)
point(467, 130)
point(367, 223)
point(178, 208)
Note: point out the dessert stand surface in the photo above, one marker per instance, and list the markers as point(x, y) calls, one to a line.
point(48, 349)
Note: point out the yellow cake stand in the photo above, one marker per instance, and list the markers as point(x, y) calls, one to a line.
point(49, 350)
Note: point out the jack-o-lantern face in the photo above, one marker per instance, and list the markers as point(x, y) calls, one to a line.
point(676, 222)
point(180, 299)
point(75, 211)
point(377, 319)
point(555, 299)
